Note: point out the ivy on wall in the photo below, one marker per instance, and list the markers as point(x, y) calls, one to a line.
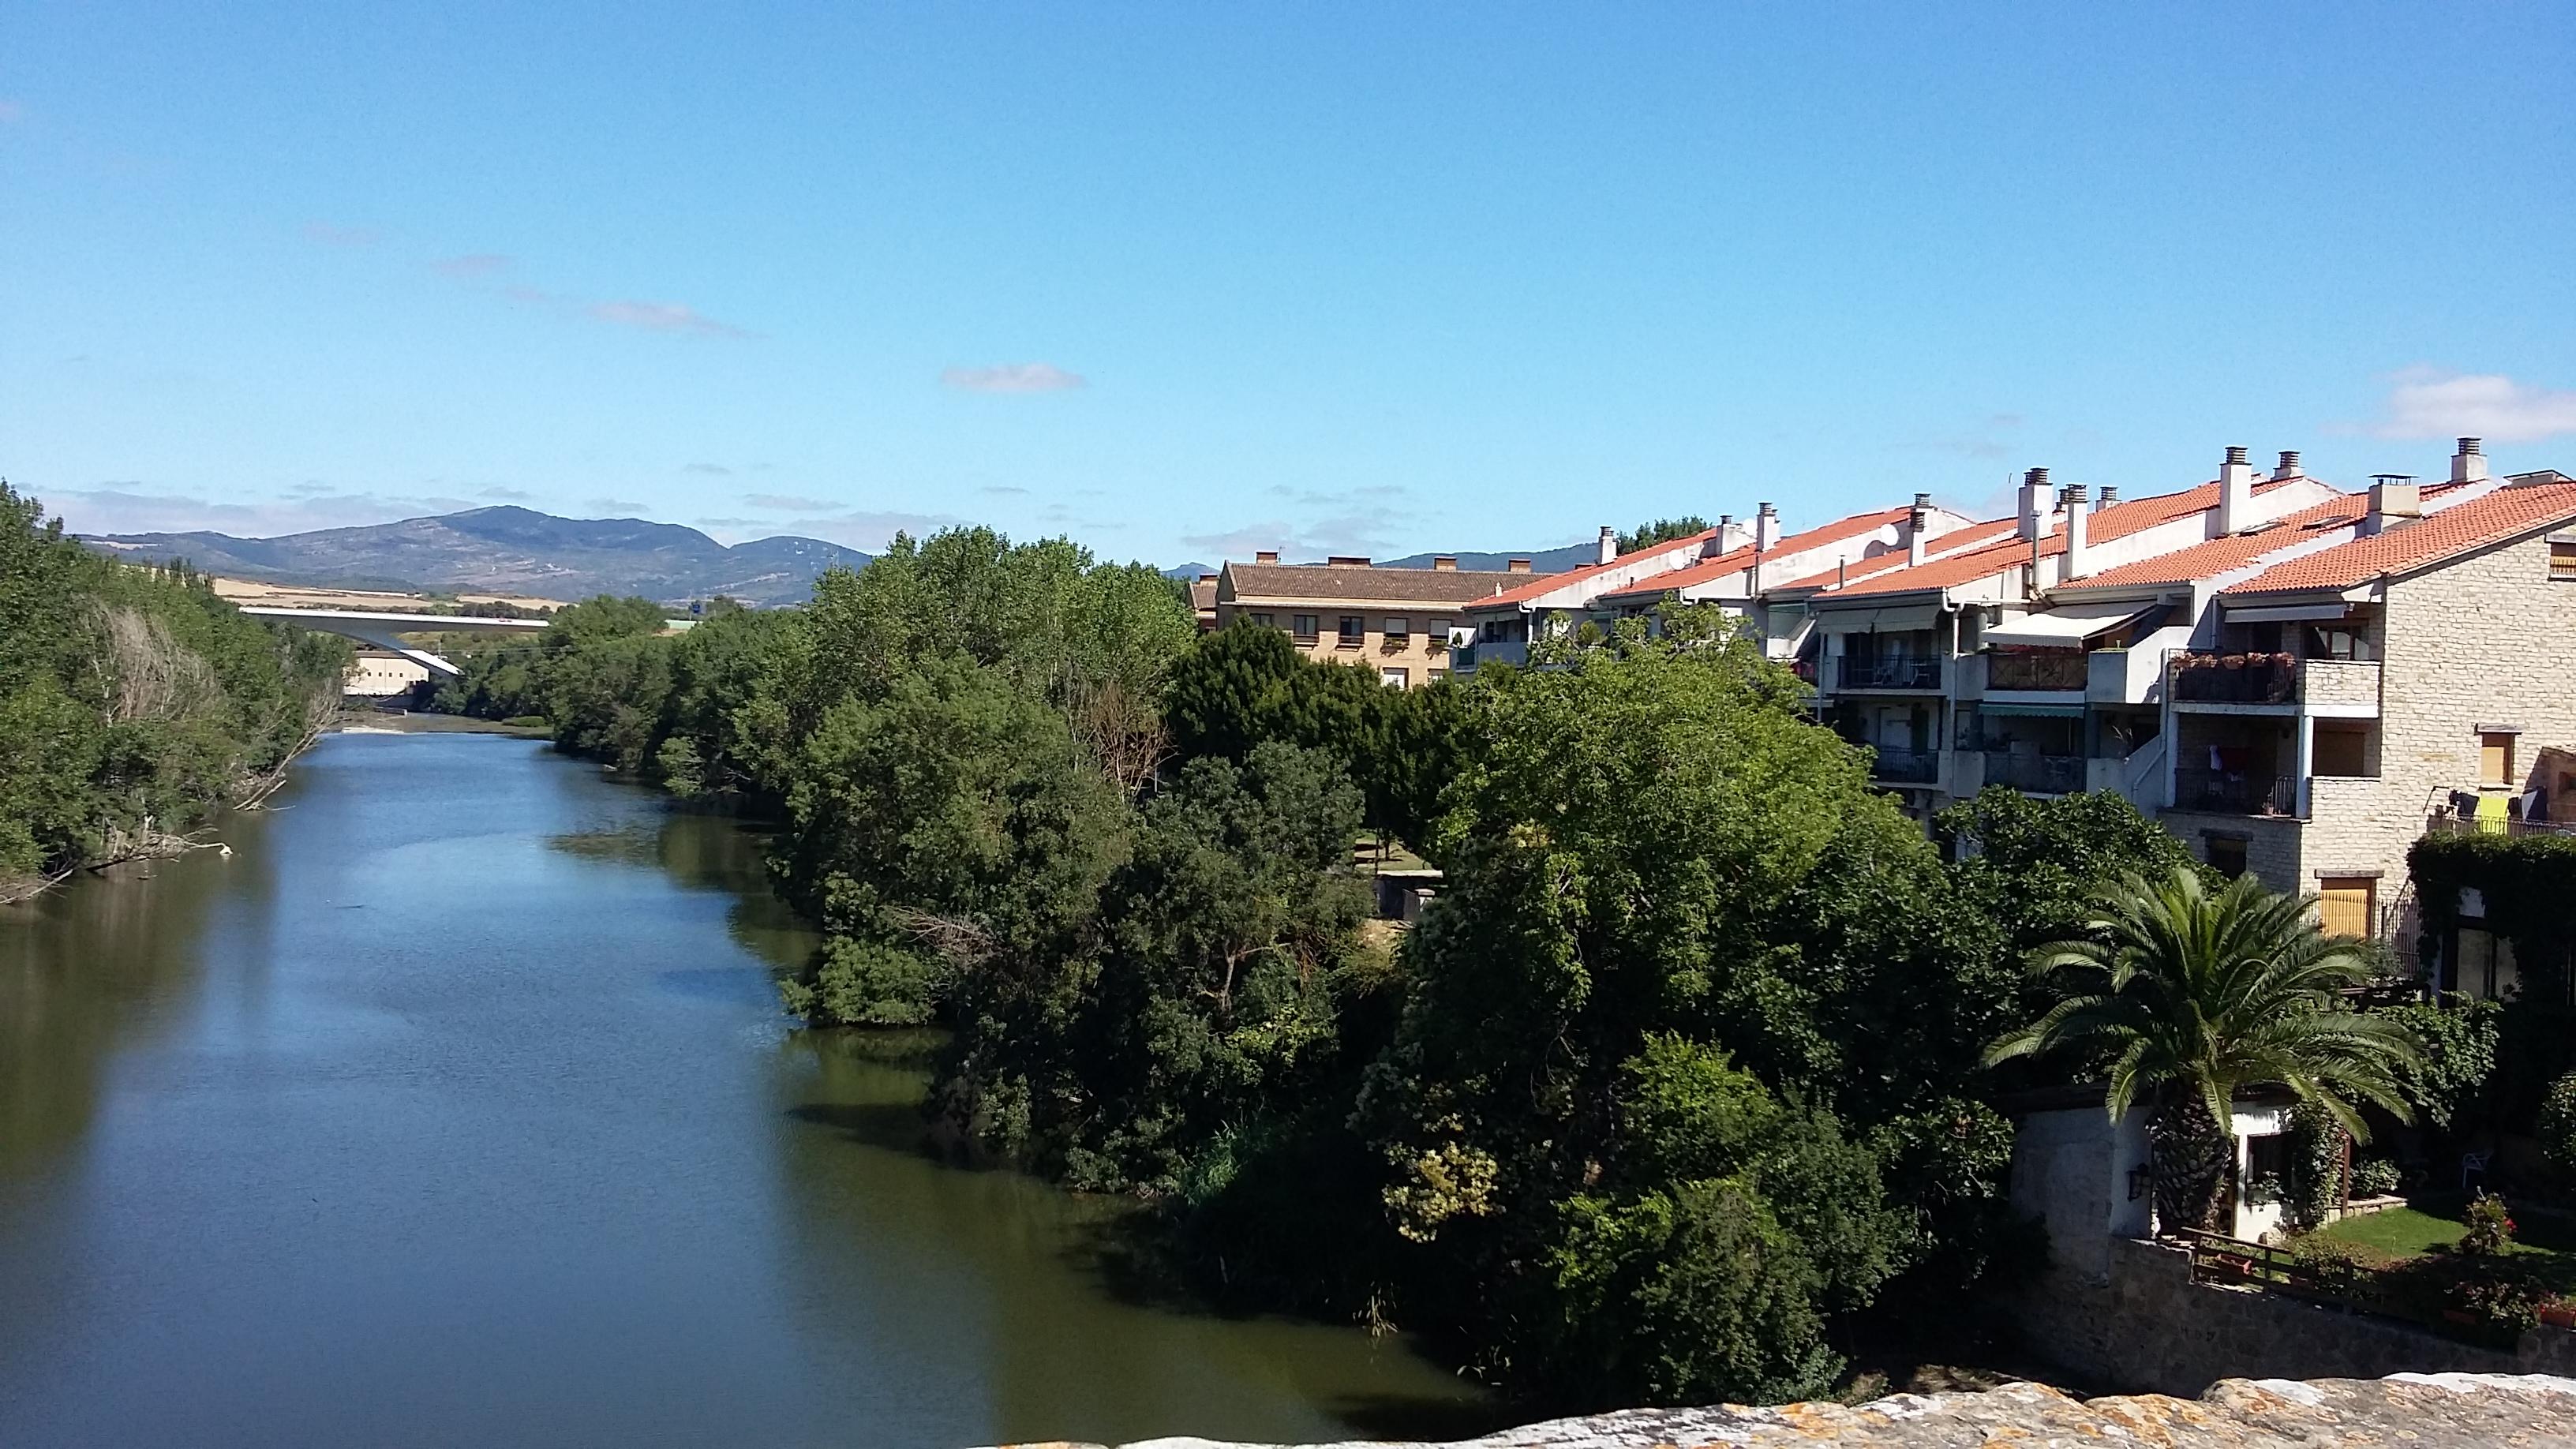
point(2527, 887)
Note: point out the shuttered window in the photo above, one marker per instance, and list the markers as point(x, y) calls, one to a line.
point(2344, 904)
point(2495, 759)
point(2562, 561)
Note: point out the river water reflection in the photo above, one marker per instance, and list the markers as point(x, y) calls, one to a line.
point(455, 1108)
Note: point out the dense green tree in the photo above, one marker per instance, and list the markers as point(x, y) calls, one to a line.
point(133, 701)
point(1662, 530)
point(1648, 843)
point(2196, 994)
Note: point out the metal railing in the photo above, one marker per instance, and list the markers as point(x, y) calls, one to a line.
point(2204, 678)
point(2064, 669)
point(2227, 792)
point(1911, 767)
point(2035, 774)
point(1851, 673)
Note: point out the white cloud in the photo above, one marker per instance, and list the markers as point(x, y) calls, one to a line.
point(614, 505)
point(663, 317)
point(2426, 402)
point(716, 469)
point(789, 503)
point(507, 495)
point(1361, 520)
point(868, 531)
point(1012, 377)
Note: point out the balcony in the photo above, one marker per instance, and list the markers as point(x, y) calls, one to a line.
point(2059, 669)
point(2348, 685)
point(1906, 767)
point(2219, 792)
point(1858, 674)
point(1465, 658)
point(2035, 774)
point(2235, 678)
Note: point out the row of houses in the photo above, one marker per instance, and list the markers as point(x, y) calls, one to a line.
point(2297, 679)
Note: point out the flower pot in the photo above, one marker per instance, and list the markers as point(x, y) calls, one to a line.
point(2559, 1315)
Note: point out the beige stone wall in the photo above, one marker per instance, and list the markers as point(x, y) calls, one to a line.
point(2488, 639)
point(2272, 843)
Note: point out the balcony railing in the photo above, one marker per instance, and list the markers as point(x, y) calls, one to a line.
point(2035, 774)
point(1851, 673)
point(2064, 669)
point(1911, 767)
point(2227, 792)
point(2200, 678)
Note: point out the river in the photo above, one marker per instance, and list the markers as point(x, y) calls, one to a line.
point(455, 1107)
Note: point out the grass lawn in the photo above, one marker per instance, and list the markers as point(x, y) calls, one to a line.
point(2431, 1222)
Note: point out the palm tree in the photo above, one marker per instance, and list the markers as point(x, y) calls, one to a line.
point(2194, 995)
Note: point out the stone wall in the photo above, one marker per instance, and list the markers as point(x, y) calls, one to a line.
point(2148, 1326)
point(2444, 1411)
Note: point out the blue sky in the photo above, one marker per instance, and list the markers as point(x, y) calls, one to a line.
point(1187, 280)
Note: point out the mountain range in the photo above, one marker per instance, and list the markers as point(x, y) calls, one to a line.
point(508, 550)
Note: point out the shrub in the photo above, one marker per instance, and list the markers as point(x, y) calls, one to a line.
point(2339, 1266)
point(2374, 1177)
point(2490, 1227)
point(2557, 1130)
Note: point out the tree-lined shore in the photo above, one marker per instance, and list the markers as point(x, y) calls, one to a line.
point(134, 703)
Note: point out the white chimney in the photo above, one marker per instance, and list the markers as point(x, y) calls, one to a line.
point(2468, 465)
point(2078, 559)
point(2235, 493)
point(1609, 546)
point(2394, 502)
point(1725, 537)
point(1766, 528)
point(2038, 513)
point(2110, 494)
point(2288, 467)
point(1916, 522)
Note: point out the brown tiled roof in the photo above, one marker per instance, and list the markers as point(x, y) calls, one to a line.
point(1370, 585)
point(1203, 594)
point(2443, 533)
point(2229, 551)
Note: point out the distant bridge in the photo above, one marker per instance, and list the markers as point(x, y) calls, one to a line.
point(381, 629)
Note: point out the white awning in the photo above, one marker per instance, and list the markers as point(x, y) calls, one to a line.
point(2065, 626)
point(2287, 613)
point(1892, 620)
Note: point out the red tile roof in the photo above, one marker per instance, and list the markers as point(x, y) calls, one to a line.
point(2131, 515)
point(1546, 583)
point(1737, 560)
point(1956, 541)
point(2229, 551)
point(2443, 533)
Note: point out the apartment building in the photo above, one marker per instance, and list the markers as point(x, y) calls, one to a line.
point(1397, 622)
point(1731, 565)
point(1900, 653)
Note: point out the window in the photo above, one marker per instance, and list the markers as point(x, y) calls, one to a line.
point(2341, 751)
point(2495, 759)
point(1353, 630)
point(2338, 641)
point(1438, 674)
point(1264, 620)
point(2562, 561)
point(2485, 969)
point(1440, 631)
point(1306, 627)
point(2225, 854)
point(1395, 629)
point(2344, 904)
point(1395, 676)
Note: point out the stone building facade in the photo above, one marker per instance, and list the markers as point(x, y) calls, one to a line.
point(1395, 622)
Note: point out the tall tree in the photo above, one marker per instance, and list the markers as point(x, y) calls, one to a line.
point(2195, 995)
